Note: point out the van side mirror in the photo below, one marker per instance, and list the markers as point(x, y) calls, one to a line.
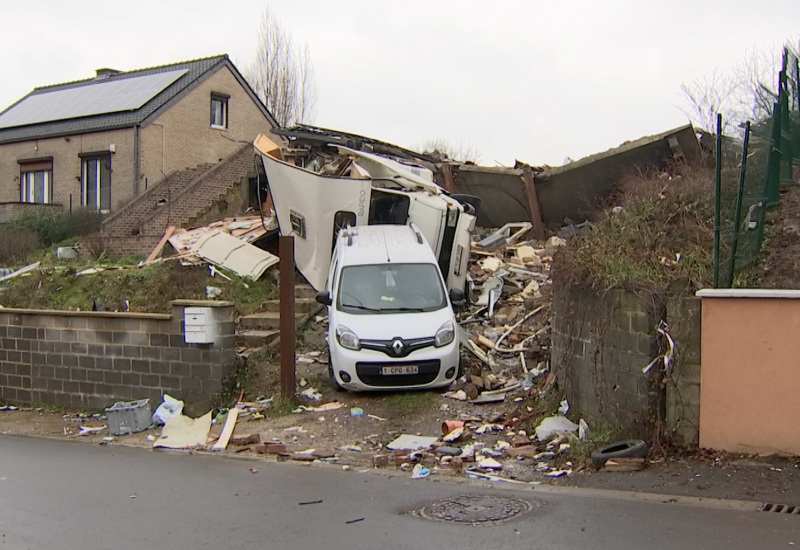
point(456, 296)
point(324, 298)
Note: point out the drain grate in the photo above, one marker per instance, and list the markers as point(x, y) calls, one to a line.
point(780, 508)
point(475, 509)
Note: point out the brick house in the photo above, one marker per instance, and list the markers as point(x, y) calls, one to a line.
point(102, 142)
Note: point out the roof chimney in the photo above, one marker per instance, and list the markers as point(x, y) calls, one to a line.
point(105, 72)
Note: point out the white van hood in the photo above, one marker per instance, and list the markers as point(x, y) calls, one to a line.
point(386, 326)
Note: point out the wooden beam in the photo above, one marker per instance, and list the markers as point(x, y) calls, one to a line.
point(533, 203)
point(227, 431)
point(160, 246)
point(448, 182)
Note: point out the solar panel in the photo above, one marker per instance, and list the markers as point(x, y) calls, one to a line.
point(97, 98)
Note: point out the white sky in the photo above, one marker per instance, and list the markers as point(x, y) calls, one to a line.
point(527, 79)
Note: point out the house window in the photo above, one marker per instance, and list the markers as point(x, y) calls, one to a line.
point(36, 181)
point(219, 110)
point(96, 182)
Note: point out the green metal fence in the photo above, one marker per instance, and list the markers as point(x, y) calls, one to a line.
point(751, 170)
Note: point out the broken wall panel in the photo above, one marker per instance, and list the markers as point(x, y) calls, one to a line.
point(571, 191)
point(501, 191)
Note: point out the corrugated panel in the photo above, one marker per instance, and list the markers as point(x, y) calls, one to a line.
point(226, 251)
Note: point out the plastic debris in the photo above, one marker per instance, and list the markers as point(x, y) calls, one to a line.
point(213, 292)
point(583, 430)
point(563, 408)
point(170, 408)
point(454, 435)
point(356, 411)
point(311, 394)
point(408, 442)
point(553, 425)
point(420, 472)
point(87, 430)
point(488, 463)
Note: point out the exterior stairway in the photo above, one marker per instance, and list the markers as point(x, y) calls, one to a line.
point(262, 328)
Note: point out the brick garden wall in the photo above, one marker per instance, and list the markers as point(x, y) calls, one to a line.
point(600, 345)
point(89, 360)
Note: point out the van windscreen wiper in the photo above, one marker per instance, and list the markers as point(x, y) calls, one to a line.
point(364, 308)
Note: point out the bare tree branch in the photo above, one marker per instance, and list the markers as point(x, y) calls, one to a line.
point(448, 149)
point(749, 92)
point(282, 75)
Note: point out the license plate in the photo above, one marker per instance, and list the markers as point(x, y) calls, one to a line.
point(404, 369)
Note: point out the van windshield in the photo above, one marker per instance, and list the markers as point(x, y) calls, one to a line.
point(390, 288)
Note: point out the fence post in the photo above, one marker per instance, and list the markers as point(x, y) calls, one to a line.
point(737, 214)
point(774, 163)
point(717, 198)
point(287, 319)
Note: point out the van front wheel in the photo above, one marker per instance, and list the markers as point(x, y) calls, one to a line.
point(332, 376)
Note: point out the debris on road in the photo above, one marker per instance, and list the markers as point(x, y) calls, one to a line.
point(420, 472)
point(182, 432)
point(408, 442)
point(553, 425)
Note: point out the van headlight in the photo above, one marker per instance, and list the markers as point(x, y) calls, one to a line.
point(347, 338)
point(445, 335)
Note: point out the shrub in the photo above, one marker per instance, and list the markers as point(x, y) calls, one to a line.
point(638, 244)
point(51, 227)
point(16, 245)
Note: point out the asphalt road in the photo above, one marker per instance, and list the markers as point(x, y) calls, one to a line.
point(69, 495)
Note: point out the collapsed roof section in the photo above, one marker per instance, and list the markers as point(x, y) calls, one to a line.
point(320, 187)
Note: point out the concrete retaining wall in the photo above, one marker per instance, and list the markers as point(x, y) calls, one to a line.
point(601, 343)
point(89, 360)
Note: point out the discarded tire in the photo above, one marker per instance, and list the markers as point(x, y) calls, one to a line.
point(632, 448)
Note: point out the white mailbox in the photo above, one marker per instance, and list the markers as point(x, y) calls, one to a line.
point(200, 326)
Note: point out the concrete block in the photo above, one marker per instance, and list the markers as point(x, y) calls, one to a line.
point(200, 370)
point(94, 375)
point(23, 344)
point(157, 339)
point(121, 337)
point(159, 367)
point(132, 352)
point(112, 377)
point(113, 350)
point(121, 364)
point(170, 382)
point(151, 380)
point(131, 378)
point(77, 374)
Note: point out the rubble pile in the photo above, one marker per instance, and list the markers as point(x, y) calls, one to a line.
point(507, 331)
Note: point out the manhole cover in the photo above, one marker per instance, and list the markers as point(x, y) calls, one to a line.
point(475, 509)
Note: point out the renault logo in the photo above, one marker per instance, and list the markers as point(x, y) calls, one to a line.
point(397, 346)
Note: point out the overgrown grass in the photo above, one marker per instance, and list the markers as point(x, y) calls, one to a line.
point(638, 245)
point(121, 286)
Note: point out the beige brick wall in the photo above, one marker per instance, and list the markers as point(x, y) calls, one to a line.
point(67, 164)
point(189, 139)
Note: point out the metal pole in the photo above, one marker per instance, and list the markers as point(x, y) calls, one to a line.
point(717, 198)
point(287, 321)
point(737, 214)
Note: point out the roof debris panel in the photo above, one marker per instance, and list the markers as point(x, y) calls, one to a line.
point(242, 258)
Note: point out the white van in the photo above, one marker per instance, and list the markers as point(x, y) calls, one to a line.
point(391, 322)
